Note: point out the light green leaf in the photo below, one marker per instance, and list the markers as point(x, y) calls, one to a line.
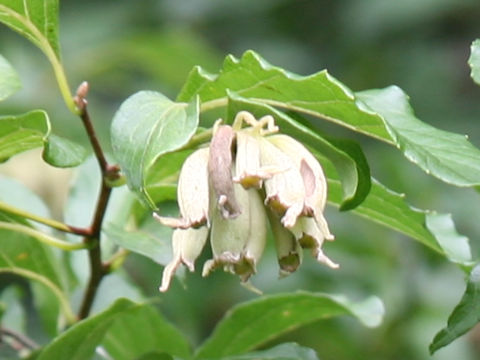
point(146, 126)
point(63, 153)
point(9, 81)
point(23, 132)
point(37, 20)
point(465, 315)
point(253, 323)
point(80, 341)
point(288, 351)
point(474, 61)
point(155, 246)
point(31, 130)
point(151, 332)
point(447, 156)
point(252, 77)
point(346, 156)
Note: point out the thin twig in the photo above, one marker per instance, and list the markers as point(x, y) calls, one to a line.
point(54, 224)
point(109, 173)
point(19, 338)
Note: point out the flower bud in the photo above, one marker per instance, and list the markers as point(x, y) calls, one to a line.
point(187, 246)
point(237, 244)
point(289, 251)
point(192, 193)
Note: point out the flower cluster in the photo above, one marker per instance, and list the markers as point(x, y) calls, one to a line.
point(248, 176)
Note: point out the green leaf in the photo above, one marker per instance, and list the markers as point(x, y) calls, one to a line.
point(388, 208)
point(80, 341)
point(382, 114)
point(252, 77)
point(465, 315)
point(253, 323)
point(346, 156)
point(22, 132)
point(447, 156)
point(474, 61)
point(151, 333)
point(155, 246)
point(37, 20)
point(25, 256)
point(9, 81)
point(147, 126)
point(287, 351)
point(63, 153)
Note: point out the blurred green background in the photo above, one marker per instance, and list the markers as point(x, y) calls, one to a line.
point(422, 46)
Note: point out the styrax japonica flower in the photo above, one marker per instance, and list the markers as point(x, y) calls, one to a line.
point(248, 176)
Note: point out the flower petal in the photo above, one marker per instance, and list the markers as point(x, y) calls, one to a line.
point(187, 246)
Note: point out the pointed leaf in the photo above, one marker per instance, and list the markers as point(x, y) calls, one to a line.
point(465, 315)
point(288, 351)
point(474, 61)
point(447, 156)
point(23, 132)
point(80, 341)
point(252, 77)
point(37, 20)
point(251, 324)
point(388, 208)
point(151, 333)
point(9, 81)
point(146, 126)
point(63, 153)
point(346, 156)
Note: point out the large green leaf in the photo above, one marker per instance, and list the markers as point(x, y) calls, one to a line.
point(37, 20)
point(9, 81)
point(474, 61)
point(465, 315)
point(382, 114)
point(447, 156)
point(140, 330)
point(251, 324)
point(288, 351)
point(383, 206)
point(252, 77)
point(346, 156)
point(146, 126)
point(80, 341)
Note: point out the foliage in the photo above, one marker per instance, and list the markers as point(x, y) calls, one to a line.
point(151, 136)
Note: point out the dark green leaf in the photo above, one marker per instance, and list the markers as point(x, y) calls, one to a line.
point(474, 61)
point(346, 156)
point(80, 341)
point(288, 351)
point(154, 355)
point(37, 20)
point(251, 324)
point(142, 329)
point(22, 132)
point(146, 126)
point(465, 315)
point(252, 77)
point(63, 153)
point(9, 81)
point(447, 156)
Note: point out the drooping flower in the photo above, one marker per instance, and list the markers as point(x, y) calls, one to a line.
point(228, 191)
